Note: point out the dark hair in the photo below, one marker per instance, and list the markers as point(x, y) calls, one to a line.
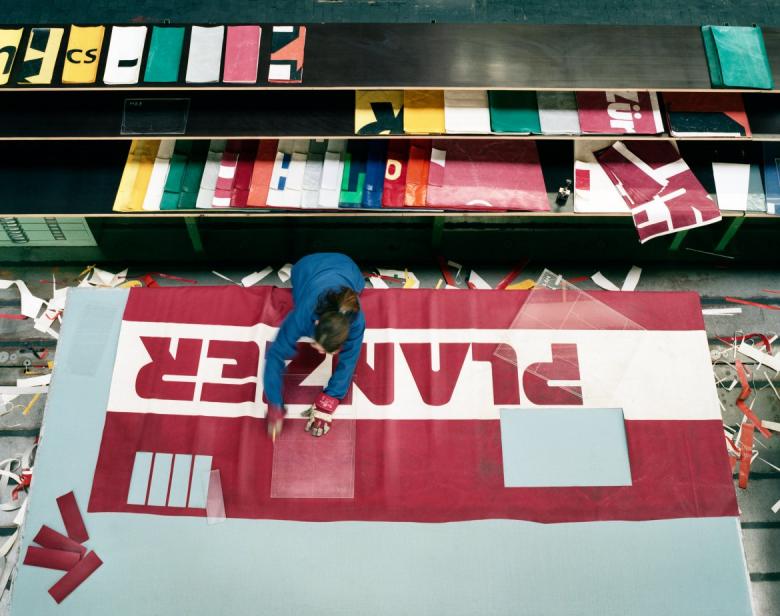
point(336, 309)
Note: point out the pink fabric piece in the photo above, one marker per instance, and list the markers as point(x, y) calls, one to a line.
point(617, 113)
point(484, 174)
point(682, 203)
point(242, 48)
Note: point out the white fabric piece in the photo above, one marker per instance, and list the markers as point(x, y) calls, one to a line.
point(478, 281)
point(255, 277)
point(558, 113)
point(30, 305)
point(776, 507)
point(377, 282)
point(205, 55)
point(721, 311)
point(771, 425)
point(126, 48)
point(632, 279)
point(602, 281)
point(756, 354)
point(285, 272)
point(732, 186)
point(156, 187)
point(208, 182)
point(290, 194)
point(466, 111)
point(594, 192)
point(218, 275)
point(34, 381)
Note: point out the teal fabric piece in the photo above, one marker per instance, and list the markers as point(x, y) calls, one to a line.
point(172, 565)
point(514, 112)
point(736, 57)
point(170, 198)
point(164, 57)
point(193, 173)
point(589, 447)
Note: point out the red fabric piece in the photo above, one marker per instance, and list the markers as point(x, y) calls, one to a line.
point(485, 174)
point(71, 517)
point(15, 317)
point(75, 577)
point(507, 280)
point(242, 48)
point(615, 113)
point(735, 300)
point(445, 271)
point(394, 190)
point(744, 395)
point(762, 337)
point(417, 172)
point(745, 454)
point(51, 559)
point(399, 308)
point(50, 538)
point(149, 281)
point(425, 471)
point(262, 168)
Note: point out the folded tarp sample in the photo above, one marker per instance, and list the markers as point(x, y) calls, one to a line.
point(354, 177)
point(262, 170)
point(288, 44)
point(41, 55)
point(10, 38)
point(558, 113)
point(159, 176)
point(332, 173)
point(184, 175)
point(125, 51)
point(466, 112)
point(736, 57)
point(242, 50)
point(395, 173)
point(287, 176)
point(594, 191)
point(136, 175)
point(82, 54)
point(656, 183)
point(379, 112)
point(486, 174)
point(423, 112)
point(738, 187)
point(772, 176)
point(514, 111)
point(208, 181)
point(205, 55)
point(617, 113)
point(697, 114)
point(312, 173)
point(376, 161)
point(164, 56)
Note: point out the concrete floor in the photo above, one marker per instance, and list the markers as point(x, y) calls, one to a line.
point(761, 528)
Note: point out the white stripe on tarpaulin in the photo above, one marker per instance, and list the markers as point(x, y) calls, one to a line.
point(650, 374)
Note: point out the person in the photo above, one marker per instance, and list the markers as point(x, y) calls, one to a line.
point(326, 309)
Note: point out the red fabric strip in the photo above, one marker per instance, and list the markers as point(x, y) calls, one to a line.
point(507, 280)
point(71, 517)
point(50, 538)
point(744, 395)
point(424, 471)
point(51, 559)
point(764, 340)
point(398, 308)
point(735, 300)
point(74, 578)
point(15, 317)
point(745, 454)
point(445, 271)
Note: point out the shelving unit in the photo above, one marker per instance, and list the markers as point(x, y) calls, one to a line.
point(78, 170)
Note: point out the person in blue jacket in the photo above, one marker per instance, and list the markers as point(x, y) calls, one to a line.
point(327, 310)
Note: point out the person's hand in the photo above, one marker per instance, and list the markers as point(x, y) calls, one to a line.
point(274, 419)
point(320, 414)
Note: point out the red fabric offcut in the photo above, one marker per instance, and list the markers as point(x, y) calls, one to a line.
point(746, 302)
point(71, 517)
point(51, 559)
point(744, 394)
point(50, 538)
point(745, 454)
point(75, 577)
point(507, 280)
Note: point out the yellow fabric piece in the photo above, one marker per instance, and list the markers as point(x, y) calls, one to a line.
point(9, 44)
point(364, 114)
point(423, 111)
point(135, 177)
point(48, 55)
point(83, 54)
point(523, 285)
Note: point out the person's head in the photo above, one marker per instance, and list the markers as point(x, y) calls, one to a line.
point(336, 310)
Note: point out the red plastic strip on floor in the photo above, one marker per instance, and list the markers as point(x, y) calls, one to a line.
point(445, 271)
point(148, 281)
point(577, 279)
point(507, 280)
point(51, 559)
point(71, 517)
point(172, 277)
point(50, 538)
point(74, 578)
point(747, 302)
point(746, 410)
point(15, 317)
point(764, 340)
point(746, 454)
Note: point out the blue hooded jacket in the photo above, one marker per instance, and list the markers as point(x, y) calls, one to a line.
point(313, 276)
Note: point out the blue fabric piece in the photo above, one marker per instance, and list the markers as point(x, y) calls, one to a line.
point(313, 276)
point(772, 176)
point(180, 480)
point(139, 480)
point(489, 567)
point(560, 447)
point(161, 478)
point(199, 486)
point(376, 163)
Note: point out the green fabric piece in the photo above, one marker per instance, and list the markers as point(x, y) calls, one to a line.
point(193, 174)
point(351, 198)
point(162, 62)
point(736, 57)
point(514, 112)
point(170, 197)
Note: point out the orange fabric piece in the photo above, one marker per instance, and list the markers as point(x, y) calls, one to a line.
point(417, 172)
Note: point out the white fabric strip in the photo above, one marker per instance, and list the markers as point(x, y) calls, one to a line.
point(156, 187)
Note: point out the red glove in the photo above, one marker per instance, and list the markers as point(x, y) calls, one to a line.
point(320, 414)
point(274, 419)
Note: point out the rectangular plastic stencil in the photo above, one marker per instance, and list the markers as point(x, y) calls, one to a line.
point(564, 447)
point(314, 467)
